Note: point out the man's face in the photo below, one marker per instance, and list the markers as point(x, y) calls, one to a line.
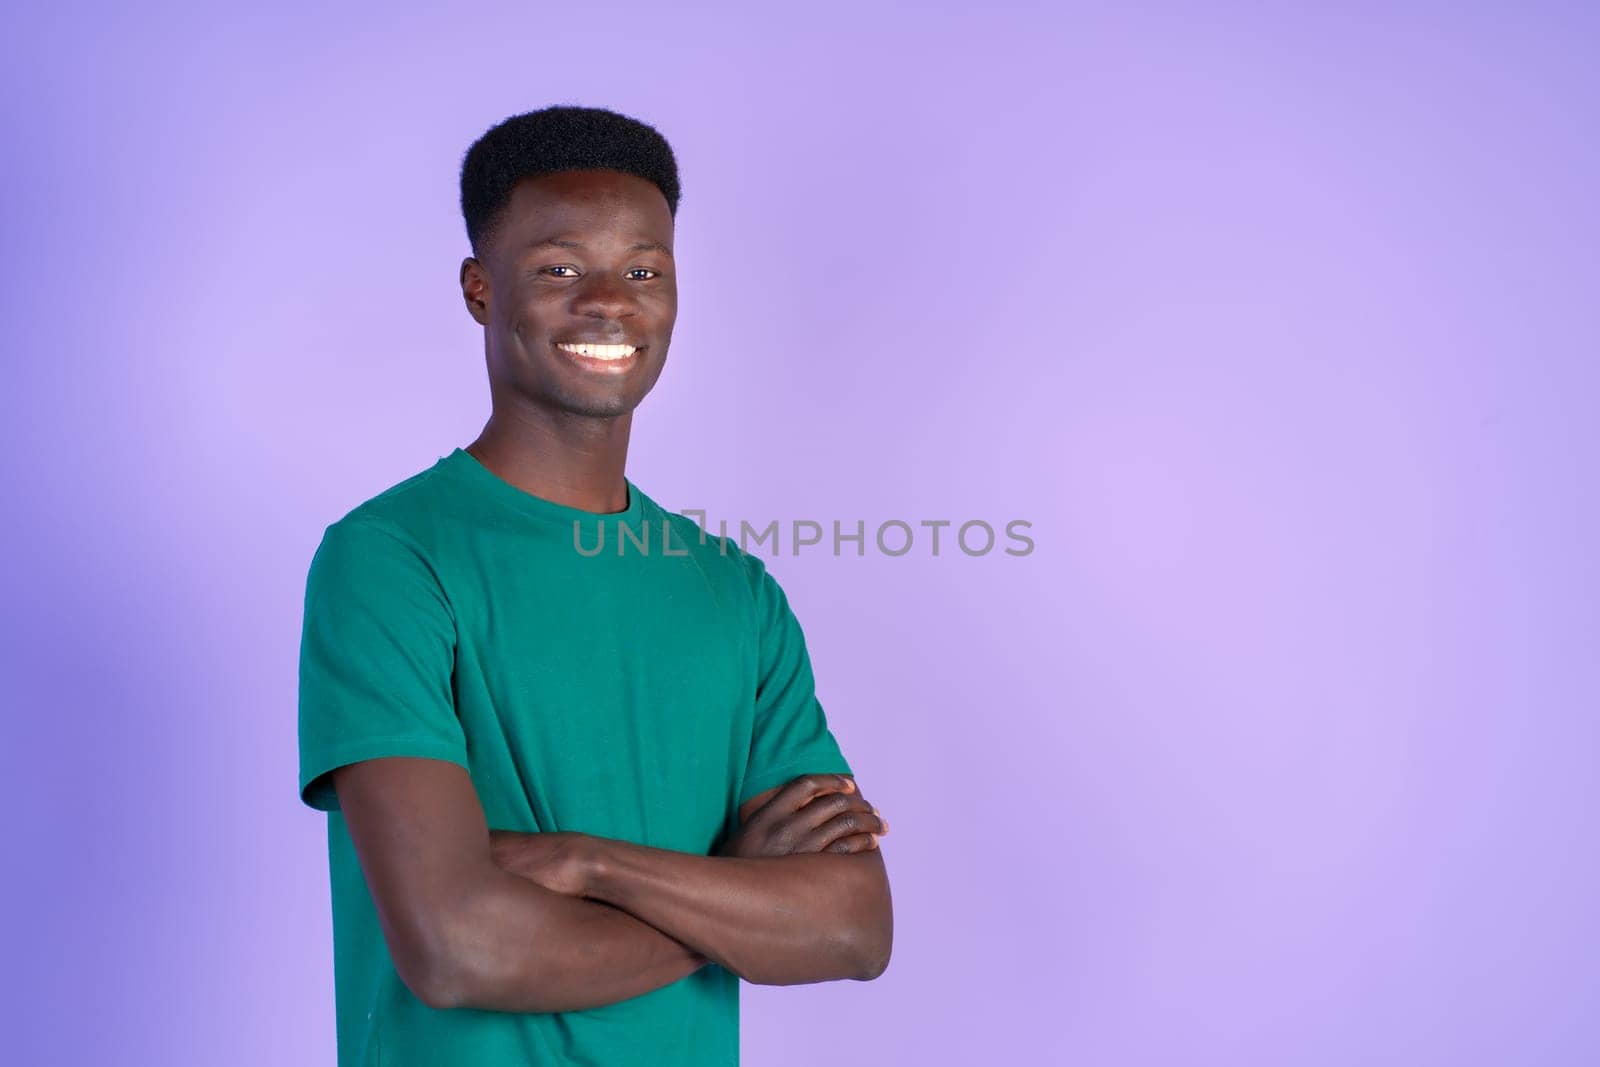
point(610, 280)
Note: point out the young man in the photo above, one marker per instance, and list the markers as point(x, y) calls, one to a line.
point(574, 794)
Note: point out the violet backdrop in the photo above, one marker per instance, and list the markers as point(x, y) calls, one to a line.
point(1278, 324)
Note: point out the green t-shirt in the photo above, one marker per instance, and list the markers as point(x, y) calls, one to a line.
point(640, 693)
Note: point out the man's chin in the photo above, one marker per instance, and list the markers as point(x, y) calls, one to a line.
point(590, 406)
point(560, 395)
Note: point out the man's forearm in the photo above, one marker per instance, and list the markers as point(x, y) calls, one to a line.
point(520, 947)
point(783, 920)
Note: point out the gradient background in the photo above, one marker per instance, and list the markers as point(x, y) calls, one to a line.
point(1279, 325)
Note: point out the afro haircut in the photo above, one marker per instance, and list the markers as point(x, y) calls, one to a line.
point(554, 139)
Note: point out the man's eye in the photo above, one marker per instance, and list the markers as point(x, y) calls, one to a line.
point(636, 270)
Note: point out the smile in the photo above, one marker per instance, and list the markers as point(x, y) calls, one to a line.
point(605, 353)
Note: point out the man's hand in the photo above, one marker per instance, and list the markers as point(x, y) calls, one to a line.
point(812, 813)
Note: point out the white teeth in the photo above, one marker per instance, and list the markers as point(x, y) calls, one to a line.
point(600, 351)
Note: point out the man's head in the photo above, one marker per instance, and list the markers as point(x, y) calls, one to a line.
point(570, 213)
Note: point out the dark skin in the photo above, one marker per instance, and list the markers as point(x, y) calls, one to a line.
point(560, 921)
point(559, 429)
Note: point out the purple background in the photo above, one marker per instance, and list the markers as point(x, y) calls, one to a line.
point(1279, 327)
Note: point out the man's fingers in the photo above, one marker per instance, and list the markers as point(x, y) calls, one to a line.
point(801, 791)
point(846, 825)
point(828, 807)
point(853, 843)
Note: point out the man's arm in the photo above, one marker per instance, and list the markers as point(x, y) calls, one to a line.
point(811, 917)
point(829, 922)
point(463, 932)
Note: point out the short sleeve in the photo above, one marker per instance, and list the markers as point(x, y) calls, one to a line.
point(377, 651)
point(791, 735)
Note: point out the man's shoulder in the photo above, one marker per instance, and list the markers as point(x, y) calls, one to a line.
point(689, 534)
point(406, 510)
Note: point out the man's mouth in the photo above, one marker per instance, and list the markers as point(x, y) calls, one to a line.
point(604, 352)
point(602, 359)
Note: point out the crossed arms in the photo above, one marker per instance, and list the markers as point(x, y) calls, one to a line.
point(565, 921)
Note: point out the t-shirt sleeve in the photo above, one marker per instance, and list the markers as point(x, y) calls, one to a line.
point(791, 735)
point(377, 650)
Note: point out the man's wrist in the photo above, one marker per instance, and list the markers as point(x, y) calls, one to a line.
point(595, 865)
point(612, 868)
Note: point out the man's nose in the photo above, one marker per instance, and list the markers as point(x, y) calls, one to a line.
point(604, 293)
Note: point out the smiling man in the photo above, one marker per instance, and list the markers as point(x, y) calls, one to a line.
point(573, 796)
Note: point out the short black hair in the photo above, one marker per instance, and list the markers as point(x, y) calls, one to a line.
point(562, 137)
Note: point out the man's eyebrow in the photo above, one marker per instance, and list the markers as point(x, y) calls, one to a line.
point(556, 242)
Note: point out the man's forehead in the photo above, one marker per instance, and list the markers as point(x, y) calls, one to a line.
point(581, 189)
point(582, 242)
point(588, 201)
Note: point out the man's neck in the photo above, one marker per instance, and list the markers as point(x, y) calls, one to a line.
point(567, 459)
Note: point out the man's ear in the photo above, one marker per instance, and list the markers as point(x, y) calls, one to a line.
point(475, 290)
